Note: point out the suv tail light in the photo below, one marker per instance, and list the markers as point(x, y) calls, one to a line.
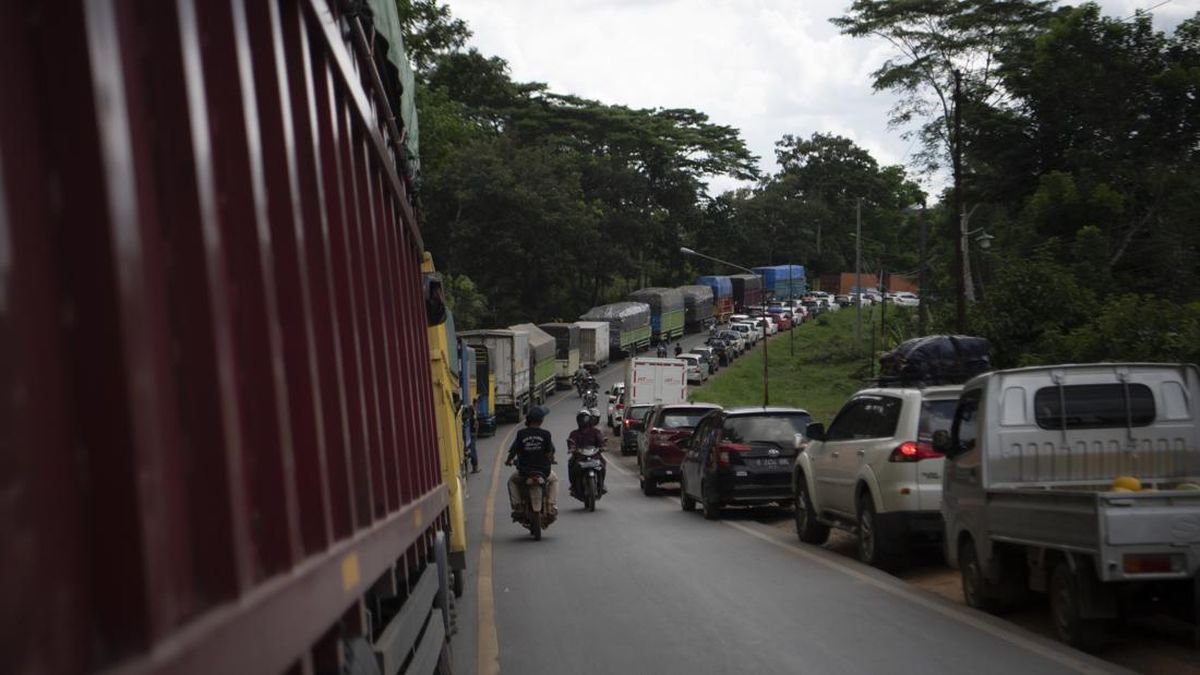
point(914, 452)
point(628, 422)
point(725, 451)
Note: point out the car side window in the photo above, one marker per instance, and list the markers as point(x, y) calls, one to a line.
point(965, 431)
point(866, 417)
point(841, 427)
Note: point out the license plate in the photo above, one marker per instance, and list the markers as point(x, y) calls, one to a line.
point(771, 462)
point(591, 464)
point(670, 472)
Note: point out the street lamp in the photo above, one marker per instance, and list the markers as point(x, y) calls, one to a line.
point(762, 296)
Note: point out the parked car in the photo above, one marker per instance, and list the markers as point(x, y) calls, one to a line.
point(749, 331)
point(635, 425)
point(614, 395)
point(721, 347)
point(741, 457)
point(875, 472)
point(709, 356)
point(738, 340)
point(906, 299)
point(659, 452)
point(843, 300)
point(767, 324)
point(697, 372)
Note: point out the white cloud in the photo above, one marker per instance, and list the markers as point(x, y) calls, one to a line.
point(766, 67)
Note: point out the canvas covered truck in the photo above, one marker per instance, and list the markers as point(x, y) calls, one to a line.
point(628, 326)
point(697, 307)
point(722, 289)
point(508, 358)
point(783, 282)
point(223, 457)
point(666, 312)
point(542, 362)
point(566, 351)
point(593, 345)
point(1079, 481)
point(747, 291)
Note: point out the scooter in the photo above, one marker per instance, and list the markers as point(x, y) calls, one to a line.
point(536, 513)
point(587, 481)
point(589, 398)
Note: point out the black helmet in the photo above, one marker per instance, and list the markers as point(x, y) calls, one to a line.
point(594, 415)
point(536, 414)
point(583, 418)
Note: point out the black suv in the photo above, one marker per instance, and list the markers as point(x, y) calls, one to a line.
point(742, 456)
point(635, 425)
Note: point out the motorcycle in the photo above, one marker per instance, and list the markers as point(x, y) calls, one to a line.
point(535, 514)
point(589, 398)
point(587, 480)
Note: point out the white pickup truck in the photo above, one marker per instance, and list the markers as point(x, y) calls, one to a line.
point(1079, 481)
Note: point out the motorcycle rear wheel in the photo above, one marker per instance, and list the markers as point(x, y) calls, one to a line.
point(535, 526)
point(589, 493)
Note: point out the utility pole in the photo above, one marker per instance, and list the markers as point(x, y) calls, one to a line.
point(858, 269)
point(923, 308)
point(959, 230)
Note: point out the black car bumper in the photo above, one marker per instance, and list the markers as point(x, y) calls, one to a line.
point(754, 487)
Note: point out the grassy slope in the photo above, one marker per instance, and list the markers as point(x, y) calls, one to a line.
point(826, 368)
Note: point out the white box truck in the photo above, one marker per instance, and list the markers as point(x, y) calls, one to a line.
point(650, 380)
point(510, 361)
point(593, 344)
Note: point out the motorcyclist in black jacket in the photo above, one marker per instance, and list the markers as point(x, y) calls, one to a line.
point(533, 451)
point(587, 435)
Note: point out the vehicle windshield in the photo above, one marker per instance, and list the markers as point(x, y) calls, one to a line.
point(683, 418)
point(780, 429)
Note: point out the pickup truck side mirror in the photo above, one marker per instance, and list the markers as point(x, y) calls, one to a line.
point(941, 442)
point(798, 441)
point(815, 431)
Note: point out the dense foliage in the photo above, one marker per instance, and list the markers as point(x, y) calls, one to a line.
point(1080, 140)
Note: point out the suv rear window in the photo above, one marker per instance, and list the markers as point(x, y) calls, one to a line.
point(638, 412)
point(686, 417)
point(936, 415)
point(781, 429)
point(1094, 406)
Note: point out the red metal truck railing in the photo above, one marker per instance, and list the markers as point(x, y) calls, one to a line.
point(219, 428)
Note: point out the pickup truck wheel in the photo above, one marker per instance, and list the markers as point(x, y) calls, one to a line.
point(977, 591)
point(874, 536)
point(807, 528)
point(1073, 629)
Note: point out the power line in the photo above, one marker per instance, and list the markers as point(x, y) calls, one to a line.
point(1147, 10)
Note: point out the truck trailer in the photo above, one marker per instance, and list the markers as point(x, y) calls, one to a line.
point(542, 362)
point(566, 351)
point(224, 456)
point(722, 289)
point(628, 326)
point(508, 354)
point(697, 307)
point(666, 312)
point(593, 345)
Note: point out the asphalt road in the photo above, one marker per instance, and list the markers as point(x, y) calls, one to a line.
point(640, 586)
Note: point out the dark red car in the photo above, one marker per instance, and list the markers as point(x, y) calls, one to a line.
point(659, 453)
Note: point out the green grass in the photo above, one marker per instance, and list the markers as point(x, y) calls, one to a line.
point(828, 366)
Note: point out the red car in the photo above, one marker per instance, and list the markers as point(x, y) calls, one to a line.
point(659, 453)
point(783, 319)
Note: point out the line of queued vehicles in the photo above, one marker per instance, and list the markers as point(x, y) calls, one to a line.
point(1079, 481)
point(523, 365)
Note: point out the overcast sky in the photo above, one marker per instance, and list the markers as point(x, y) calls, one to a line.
point(766, 67)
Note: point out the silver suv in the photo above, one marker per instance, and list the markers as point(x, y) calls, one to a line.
point(874, 471)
